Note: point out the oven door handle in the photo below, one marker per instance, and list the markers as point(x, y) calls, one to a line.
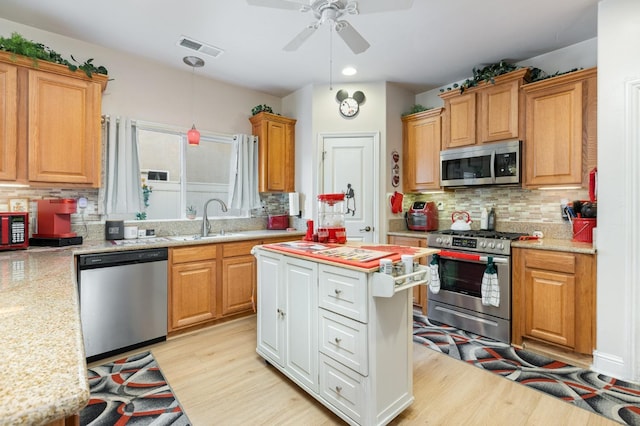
point(467, 256)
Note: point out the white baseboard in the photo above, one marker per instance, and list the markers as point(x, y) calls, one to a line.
point(610, 365)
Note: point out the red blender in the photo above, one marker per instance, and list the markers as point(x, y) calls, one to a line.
point(331, 219)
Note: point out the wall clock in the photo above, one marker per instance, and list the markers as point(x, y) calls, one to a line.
point(349, 105)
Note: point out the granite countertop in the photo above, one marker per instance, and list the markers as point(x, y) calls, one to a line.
point(43, 366)
point(556, 245)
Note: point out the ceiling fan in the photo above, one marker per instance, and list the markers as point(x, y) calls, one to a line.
point(331, 11)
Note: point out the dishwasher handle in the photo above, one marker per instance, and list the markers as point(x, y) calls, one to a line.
point(104, 260)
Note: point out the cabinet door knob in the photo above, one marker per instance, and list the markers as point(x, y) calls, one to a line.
point(337, 292)
point(338, 340)
point(338, 389)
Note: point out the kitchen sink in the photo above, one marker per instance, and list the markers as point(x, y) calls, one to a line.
point(198, 237)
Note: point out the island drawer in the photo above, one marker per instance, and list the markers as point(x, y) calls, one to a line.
point(342, 388)
point(343, 291)
point(344, 340)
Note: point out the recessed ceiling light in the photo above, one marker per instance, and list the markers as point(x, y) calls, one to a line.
point(349, 71)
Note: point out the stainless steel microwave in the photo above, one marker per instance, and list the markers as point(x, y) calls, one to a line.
point(497, 163)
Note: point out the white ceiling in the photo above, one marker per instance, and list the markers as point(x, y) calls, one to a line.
point(433, 43)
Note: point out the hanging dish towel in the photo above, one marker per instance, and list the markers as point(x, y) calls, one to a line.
point(396, 202)
point(490, 290)
point(434, 281)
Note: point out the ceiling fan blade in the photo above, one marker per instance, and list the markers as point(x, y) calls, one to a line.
point(354, 40)
point(375, 6)
point(300, 38)
point(279, 4)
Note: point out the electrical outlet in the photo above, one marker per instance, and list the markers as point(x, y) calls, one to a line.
point(563, 208)
point(440, 205)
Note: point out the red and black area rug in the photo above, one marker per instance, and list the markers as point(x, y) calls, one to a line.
point(607, 396)
point(131, 391)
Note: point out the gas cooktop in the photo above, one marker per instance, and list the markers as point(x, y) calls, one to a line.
point(481, 234)
point(489, 242)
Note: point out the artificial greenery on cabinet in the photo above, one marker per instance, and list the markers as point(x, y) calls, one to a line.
point(18, 45)
point(488, 74)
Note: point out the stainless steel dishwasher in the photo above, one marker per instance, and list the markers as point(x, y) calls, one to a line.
point(123, 300)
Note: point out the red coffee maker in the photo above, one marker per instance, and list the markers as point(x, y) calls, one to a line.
point(54, 223)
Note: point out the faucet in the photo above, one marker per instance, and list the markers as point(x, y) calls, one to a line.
point(206, 226)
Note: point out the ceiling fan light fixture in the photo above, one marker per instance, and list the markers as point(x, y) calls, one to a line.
point(349, 71)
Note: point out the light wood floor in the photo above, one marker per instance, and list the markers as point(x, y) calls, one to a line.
point(220, 380)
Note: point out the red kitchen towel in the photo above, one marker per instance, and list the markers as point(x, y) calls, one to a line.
point(396, 202)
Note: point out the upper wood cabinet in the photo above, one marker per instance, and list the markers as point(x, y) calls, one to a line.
point(421, 140)
point(51, 124)
point(561, 144)
point(488, 112)
point(459, 119)
point(276, 152)
point(8, 122)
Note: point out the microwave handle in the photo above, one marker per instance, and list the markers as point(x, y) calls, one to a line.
point(467, 256)
point(493, 166)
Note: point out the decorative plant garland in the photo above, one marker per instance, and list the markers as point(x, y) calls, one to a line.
point(18, 45)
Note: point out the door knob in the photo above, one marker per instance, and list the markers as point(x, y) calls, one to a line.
point(366, 229)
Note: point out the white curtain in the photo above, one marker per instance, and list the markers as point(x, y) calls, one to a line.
point(123, 180)
point(243, 173)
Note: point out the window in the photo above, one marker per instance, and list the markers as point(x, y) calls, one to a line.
point(180, 175)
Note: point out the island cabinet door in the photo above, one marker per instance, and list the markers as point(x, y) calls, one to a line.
point(271, 307)
point(301, 317)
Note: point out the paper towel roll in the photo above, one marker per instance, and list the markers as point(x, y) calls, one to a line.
point(294, 204)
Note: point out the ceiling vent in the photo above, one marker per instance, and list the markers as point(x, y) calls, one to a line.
point(199, 47)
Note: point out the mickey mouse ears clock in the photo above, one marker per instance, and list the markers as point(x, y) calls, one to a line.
point(349, 105)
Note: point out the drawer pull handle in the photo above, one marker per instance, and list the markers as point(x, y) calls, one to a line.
point(338, 340)
point(337, 292)
point(338, 389)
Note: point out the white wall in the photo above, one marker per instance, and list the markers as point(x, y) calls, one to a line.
point(316, 110)
point(618, 298)
point(579, 55)
point(299, 104)
point(399, 101)
point(145, 90)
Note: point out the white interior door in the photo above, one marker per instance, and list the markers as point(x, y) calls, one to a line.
point(349, 166)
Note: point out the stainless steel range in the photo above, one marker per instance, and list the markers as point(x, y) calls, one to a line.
point(462, 263)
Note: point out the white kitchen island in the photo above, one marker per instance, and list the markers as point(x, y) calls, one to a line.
point(340, 331)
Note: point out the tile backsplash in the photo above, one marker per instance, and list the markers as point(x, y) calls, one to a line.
point(90, 223)
point(517, 209)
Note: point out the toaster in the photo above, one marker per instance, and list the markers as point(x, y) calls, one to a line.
point(422, 216)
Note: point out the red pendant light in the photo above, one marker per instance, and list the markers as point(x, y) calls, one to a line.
point(193, 135)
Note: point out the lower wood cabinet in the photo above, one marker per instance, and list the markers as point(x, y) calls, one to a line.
point(238, 277)
point(554, 298)
point(67, 421)
point(192, 285)
point(420, 291)
point(210, 283)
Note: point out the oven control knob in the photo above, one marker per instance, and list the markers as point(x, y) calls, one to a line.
point(500, 246)
point(439, 240)
point(492, 245)
point(448, 241)
point(483, 244)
